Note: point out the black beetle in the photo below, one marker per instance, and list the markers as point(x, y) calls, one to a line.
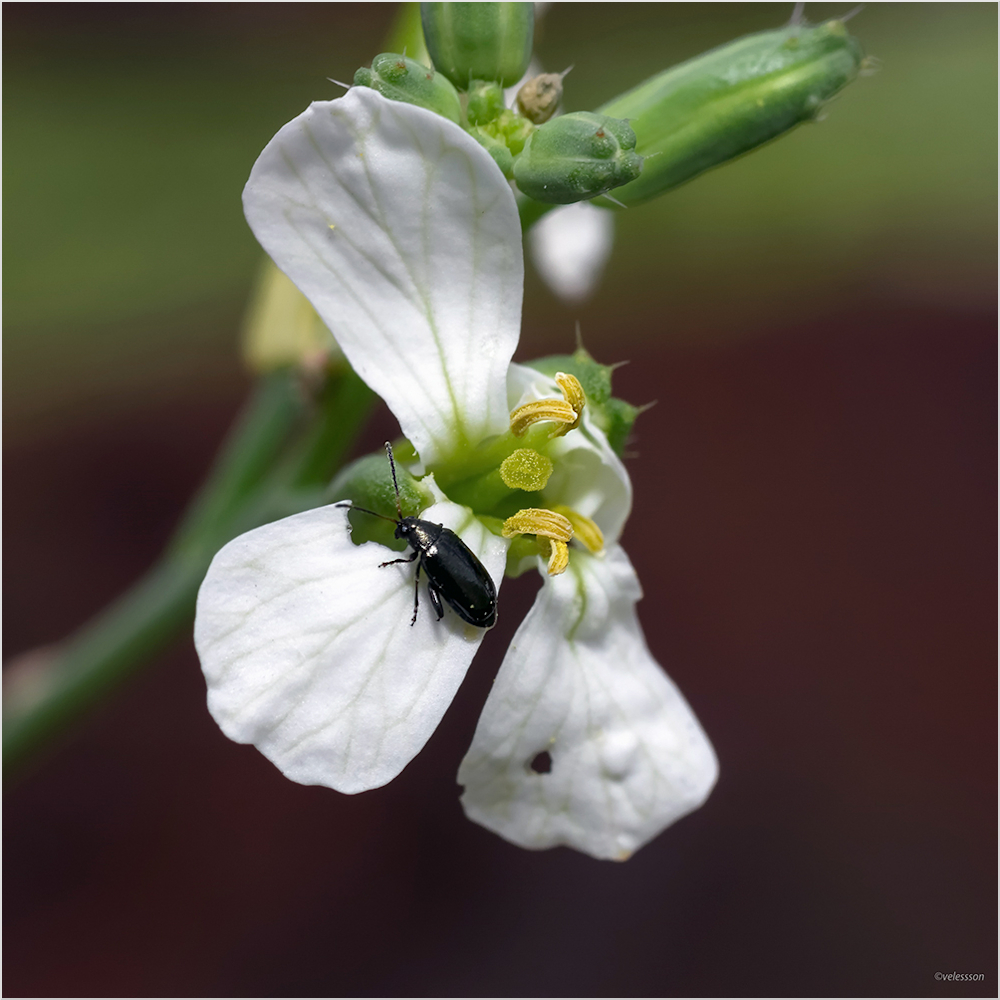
point(454, 574)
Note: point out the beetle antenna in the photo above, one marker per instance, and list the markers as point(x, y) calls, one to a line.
point(392, 465)
point(365, 510)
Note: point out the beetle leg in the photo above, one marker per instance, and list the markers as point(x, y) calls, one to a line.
point(392, 562)
point(416, 589)
point(435, 597)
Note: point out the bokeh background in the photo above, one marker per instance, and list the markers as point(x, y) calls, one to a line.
point(814, 528)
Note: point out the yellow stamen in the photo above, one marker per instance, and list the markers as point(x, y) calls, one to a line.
point(558, 557)
point(584, 529)
point(545, 524)
point(538, 521)
point(542, 409)
point(566, 411)
point(573, 393)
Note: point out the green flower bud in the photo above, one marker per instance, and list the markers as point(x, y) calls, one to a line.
point(402, 79)
point(575, 157)
point(502, 156)
point(721, 104)
point(513, 130)
point(367, 482)
point(485, 102)
point(479, 41)
point(282, 328)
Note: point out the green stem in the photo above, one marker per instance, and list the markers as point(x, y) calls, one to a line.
point(120, 639)
point(278, 460)
point(251, 447)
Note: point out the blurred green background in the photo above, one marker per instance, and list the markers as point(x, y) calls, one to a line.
point(130, 130)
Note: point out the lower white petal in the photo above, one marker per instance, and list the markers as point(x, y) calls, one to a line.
point(627, 754)
point(308, 651)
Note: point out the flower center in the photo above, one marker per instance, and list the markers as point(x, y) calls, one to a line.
point(500, 491)
point(526, 469)
point(503, 479)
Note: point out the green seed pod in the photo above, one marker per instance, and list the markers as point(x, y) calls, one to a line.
point(485, 102)
point(402, 79)
point(575, 157)
point(728, 101)
point(479, 41)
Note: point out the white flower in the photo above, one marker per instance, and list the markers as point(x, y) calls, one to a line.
point(570, 246)
point(404, 236)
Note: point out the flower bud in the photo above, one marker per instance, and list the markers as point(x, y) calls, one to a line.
point(402, 79)
point(479, 41)
point(538, 99)
point(502, 156)
point(575, 157)
point(367, 483)
point(570, 246)
point(281, 327)
point(730, 100)
point(485, 102)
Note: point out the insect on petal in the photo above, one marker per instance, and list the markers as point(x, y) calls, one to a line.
point(404, 235)
point(584, 740)
point(308, 651)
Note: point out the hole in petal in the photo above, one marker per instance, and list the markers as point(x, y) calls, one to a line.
point(541, 763)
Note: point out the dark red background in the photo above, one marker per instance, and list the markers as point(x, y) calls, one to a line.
point(814, 529)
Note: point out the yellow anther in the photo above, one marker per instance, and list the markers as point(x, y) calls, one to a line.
point(545, 524)
point(538, 521)
point(584, 529)
point(526, 469)
point(574, 395)
point(558, 557)
point(542, 409)
point(566, 411)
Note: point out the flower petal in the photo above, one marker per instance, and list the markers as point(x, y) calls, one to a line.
point(627, 755)
point(308, 652)
point(404, 235)
point(588, 476)
point(570, 246)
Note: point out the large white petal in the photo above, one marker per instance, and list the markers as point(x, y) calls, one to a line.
point(404, 235)
point(308, 651)
point(588, 475)
point(628, 756)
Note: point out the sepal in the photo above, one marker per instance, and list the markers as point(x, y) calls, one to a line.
point(402, 79)
point(576, 157)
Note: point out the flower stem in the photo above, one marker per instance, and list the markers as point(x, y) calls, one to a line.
point(278, 459)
